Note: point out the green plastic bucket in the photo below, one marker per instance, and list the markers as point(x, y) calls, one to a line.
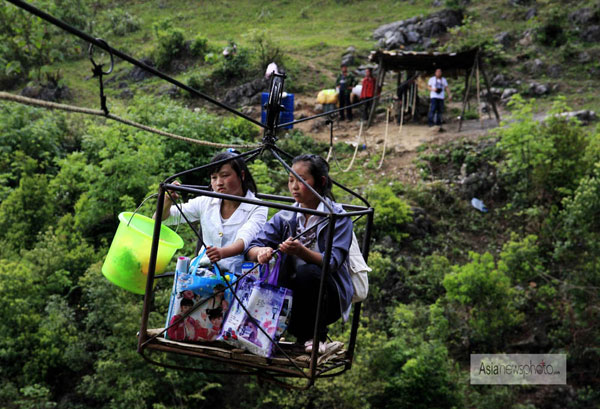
point(126, 263)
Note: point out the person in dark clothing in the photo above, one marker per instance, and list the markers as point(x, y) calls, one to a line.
point(344, 83)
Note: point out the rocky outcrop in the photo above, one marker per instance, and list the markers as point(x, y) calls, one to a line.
point(138, 74)
point(47, 92)
point(586, 22)
point(246, 94)
point(416, 31)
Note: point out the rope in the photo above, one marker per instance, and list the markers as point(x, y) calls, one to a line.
point(385, 137)
point(356, 149)
point(71, 108)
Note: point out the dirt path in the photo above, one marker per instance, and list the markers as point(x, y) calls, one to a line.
point(401, 148)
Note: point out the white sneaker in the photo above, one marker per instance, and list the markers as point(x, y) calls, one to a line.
point(308, 347)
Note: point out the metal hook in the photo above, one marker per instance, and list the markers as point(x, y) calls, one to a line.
point(99, 66)
point(97, 71)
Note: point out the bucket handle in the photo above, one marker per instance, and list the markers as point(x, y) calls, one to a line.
point(141, 204)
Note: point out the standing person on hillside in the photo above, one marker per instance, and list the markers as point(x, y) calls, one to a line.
point(368, 91)
point(438, 87)
point(344, 83)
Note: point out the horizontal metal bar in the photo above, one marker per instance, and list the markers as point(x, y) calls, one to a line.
point(212, 164)
point(265, 203)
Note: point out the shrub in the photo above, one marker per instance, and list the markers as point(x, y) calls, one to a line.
point(265, 49)
point(233, 67)
point(391, 212)
point(199, 46)
point(197, 81)
point(120, 22)
point(416, 373)
point(488, 300)
point(170, 43)
point(543, 160)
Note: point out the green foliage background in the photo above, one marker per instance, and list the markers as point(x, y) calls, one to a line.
point(522, 278)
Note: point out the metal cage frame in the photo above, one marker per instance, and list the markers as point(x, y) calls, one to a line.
point(266, 372)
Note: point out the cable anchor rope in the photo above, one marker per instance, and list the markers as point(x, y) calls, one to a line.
point(98, 72)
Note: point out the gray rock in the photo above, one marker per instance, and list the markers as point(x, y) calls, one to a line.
point(246, 93)
point(521, 2)
point(395, 40)
point(591, 34)
point(585, 116)
point(496, 92)
point(412, 37)
point(169, 90)
point(555, 71)
point(507, 93)
point(348, 59)
point(504, 39)
point(47, 92)
point(584, 57)
point(126, 94)
point(500, 80)
point(350, 50)
point(583, 17)
point(531, 13)
point(138, 74)
point(433, 27)
point(538, 89)
point(417, 30)
point(535, 67)
point(381, 31)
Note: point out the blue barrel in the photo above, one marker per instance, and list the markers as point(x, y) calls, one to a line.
point(285, 116)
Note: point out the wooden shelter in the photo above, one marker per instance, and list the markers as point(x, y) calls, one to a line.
point(413, 62)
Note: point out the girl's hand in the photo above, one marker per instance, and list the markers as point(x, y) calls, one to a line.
point(292, 247)
point(214, 254)
point(174, 194)
point(264, 255)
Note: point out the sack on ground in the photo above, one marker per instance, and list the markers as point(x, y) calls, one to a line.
point(327, 96)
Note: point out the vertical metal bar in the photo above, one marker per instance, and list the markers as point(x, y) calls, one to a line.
point(324, 276)
point(366, 245)
point(151, 268)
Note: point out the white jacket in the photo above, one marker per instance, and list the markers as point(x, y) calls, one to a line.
point(244, 224)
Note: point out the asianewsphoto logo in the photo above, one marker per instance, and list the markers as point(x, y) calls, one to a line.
point(519, 369)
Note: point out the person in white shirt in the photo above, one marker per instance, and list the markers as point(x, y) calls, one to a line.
point(228, 226)
point(438, 86)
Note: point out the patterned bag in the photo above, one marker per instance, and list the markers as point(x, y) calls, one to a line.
point(204, 324)
point(269, 306)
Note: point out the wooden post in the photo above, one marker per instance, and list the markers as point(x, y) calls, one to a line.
point(462, 114)
point(478, 96)
point(399, 94)
point(489, 90)
point(378, 85)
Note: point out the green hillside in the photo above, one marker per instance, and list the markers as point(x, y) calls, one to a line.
point(448, 280)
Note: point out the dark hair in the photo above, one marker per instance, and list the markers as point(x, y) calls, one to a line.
point(239, 166)
point(187, 302)
point(214, 313)
point(318, 168)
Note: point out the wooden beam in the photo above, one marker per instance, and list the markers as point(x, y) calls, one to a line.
point(489, 90)
point(378, 86)
point(462, 114)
